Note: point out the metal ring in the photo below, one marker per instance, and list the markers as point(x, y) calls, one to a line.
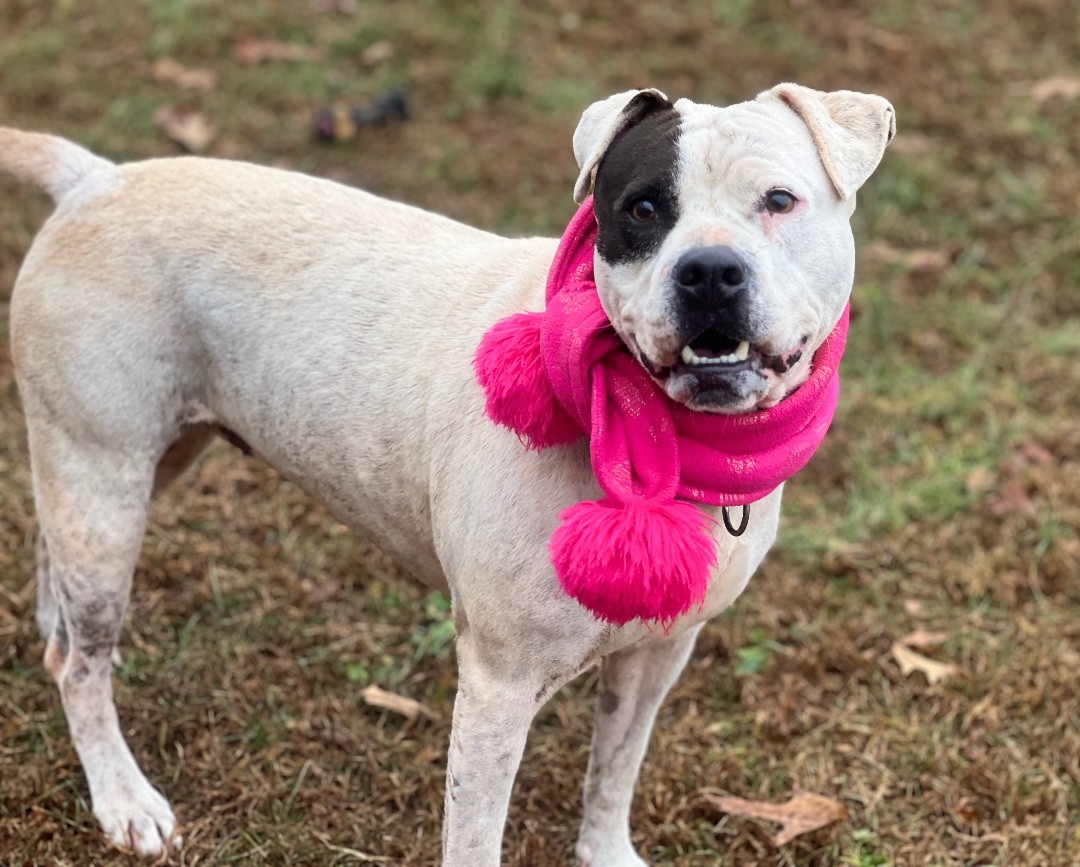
point(742, 526)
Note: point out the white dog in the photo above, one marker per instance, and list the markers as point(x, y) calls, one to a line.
point(171, 301)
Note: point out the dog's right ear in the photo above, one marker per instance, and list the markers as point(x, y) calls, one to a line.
point(601, 123)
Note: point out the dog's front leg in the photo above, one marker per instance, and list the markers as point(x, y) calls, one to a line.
point(495, 704)
point(632, 685)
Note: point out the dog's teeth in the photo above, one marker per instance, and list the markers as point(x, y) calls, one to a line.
point(740, 354)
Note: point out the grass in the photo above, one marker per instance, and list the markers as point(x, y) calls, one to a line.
point(946, 497)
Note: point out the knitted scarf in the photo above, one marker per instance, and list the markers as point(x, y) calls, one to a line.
point(643, 550)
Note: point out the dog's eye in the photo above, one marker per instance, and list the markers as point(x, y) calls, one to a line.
point(643, 211)
point(779, 201)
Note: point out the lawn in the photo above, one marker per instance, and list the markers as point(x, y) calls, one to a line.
point(945, 502)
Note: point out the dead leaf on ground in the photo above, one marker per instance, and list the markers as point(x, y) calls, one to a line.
point(1062, 86)
point(885, 39)
point(914, 607)
point(377, 52)
point(324, 591)
point(924, 639)
point(430, 754)
point(169, 71)
point(189, 129)
point(919, 261)
point(410, 708)
point(1013, 499)
point(800, 814)
point(888, 40)
point(978, 480)
point(253, 51)
point(1036, 453)
point(910, 661)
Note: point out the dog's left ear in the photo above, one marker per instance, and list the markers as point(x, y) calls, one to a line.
point(851, 130)
point(601, 123)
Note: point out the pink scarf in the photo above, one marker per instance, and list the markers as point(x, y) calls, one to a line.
point(555, 376)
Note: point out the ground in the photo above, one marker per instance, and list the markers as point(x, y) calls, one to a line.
point(946, 498)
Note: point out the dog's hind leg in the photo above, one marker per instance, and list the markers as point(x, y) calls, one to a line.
point(92, 503)
point(46, 595)
point(632, 686)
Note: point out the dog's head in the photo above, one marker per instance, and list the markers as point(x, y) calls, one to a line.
point(724, 254)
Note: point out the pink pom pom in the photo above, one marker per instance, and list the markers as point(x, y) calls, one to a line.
point(519, 395)
point(632, 560)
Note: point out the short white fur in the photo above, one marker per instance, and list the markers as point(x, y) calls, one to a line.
point(167, 296)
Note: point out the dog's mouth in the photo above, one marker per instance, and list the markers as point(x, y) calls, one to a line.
point(715, 370)
point(712, 351)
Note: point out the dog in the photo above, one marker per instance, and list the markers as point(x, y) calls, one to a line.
point(172, 301)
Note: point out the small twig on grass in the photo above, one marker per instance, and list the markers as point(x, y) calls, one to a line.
point(296, 786)
point(366, 857)
point(15, 600)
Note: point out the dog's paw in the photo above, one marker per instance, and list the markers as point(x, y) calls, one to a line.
point(140, 820)
point(607, 854)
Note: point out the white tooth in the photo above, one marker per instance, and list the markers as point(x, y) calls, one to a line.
point(727, 359)
point(743, 352)
point(688, 355)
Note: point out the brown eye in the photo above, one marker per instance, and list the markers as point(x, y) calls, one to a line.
point(779, 201)
point(643, 211)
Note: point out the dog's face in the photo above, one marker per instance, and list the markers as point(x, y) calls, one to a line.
point(724, 255)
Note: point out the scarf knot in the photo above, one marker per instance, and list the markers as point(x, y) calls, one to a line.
point(643, 550)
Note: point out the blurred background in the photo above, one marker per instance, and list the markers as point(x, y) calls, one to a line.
point(909, 649)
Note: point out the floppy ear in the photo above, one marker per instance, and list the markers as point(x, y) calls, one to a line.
point(601, 123)
point(850, 130)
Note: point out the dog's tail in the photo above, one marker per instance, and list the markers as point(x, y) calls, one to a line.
point(50, 163)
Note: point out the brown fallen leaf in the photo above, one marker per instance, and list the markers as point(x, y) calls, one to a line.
point(910, 661)
point(377, 52)
point(914, 607)
point(1055, 86)
point(430, 754)
point(168, 71)
point(1036, 453)
point(800, 814)
point(978, 480)
point(923, 639)
point(888, 40)
point(189, 129)
point(920, 261)
point(1014, 499)
point(410, 708)
point(254, 51)
point(324, 591)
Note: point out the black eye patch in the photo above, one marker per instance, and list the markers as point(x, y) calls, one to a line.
point(636, 192)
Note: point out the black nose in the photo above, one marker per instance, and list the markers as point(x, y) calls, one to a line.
point(710, 276)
